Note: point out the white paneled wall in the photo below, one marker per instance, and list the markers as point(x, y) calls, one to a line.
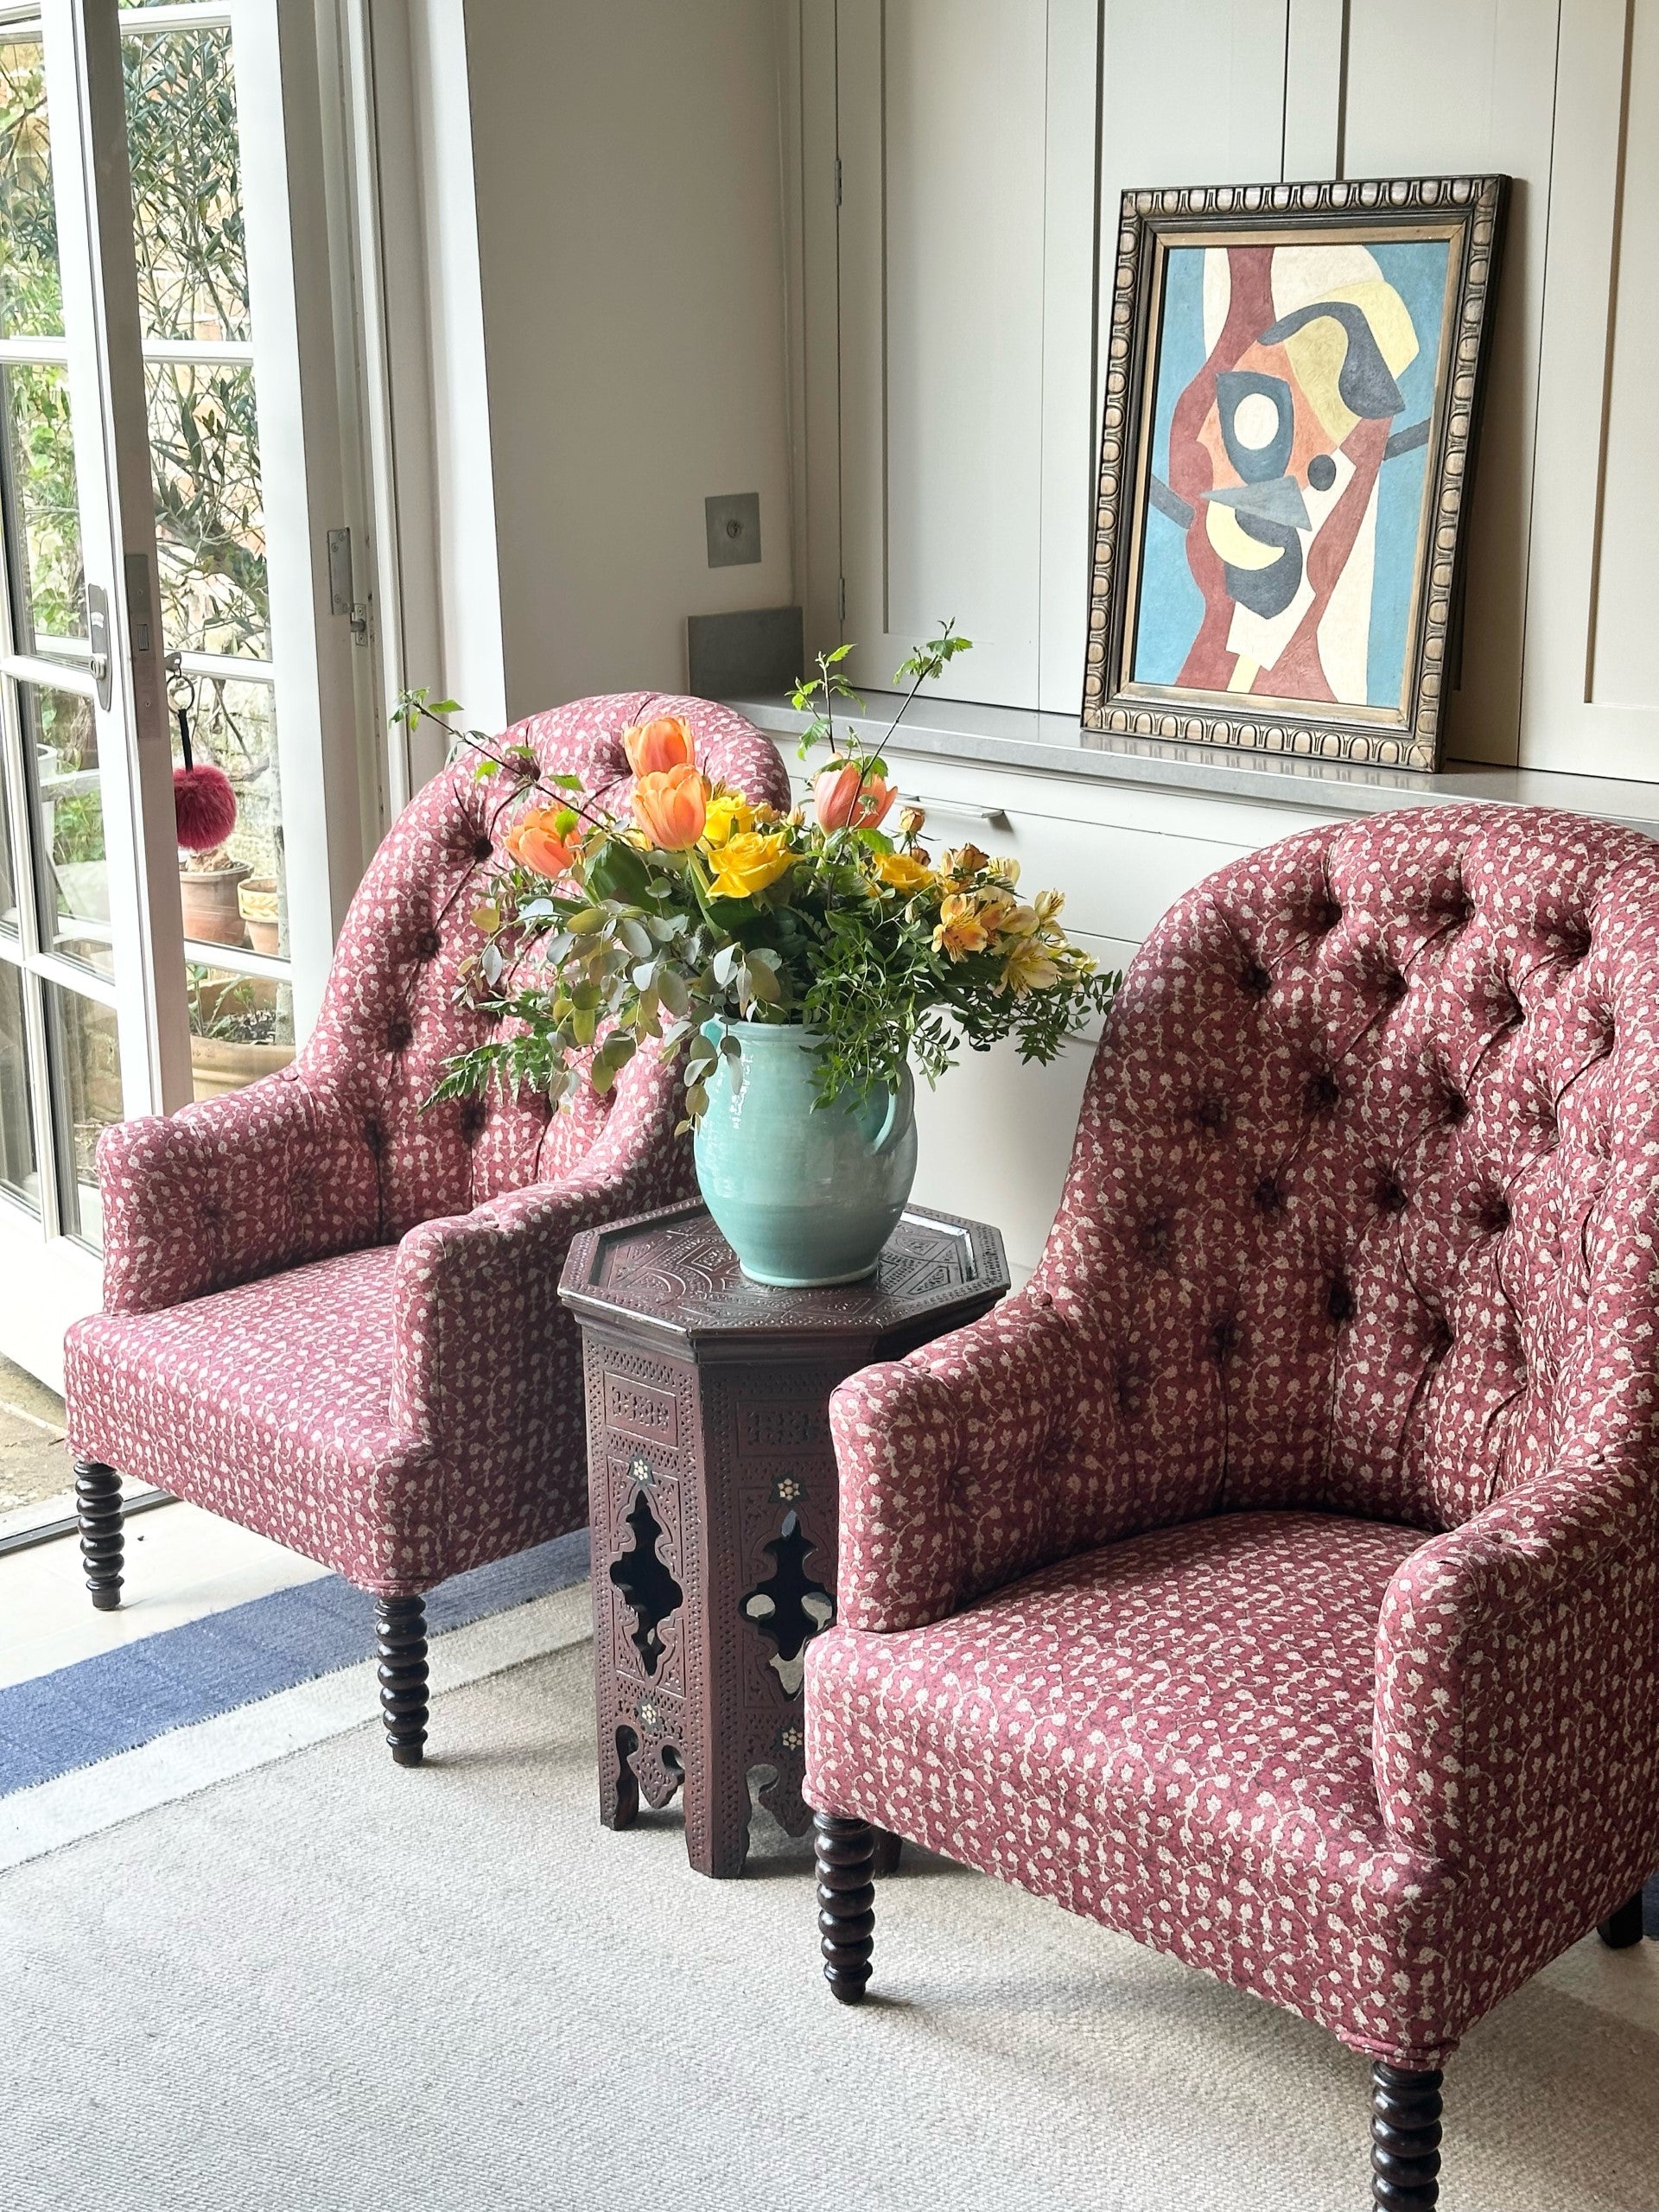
point(954, 435)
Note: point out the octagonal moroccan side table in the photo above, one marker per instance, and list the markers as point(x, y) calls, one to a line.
point(713, 1494)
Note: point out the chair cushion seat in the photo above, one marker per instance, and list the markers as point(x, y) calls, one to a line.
point(1173, 1735)
point(269, 1403)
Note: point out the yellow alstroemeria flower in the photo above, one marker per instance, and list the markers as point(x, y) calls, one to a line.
point(996, 911)
point(730, 815)
point(1048, 905)
point(747, 863)
point(902, 871)
point(1029, 967)
point(960, 930)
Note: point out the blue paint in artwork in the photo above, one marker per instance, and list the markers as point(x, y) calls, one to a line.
point(1172, 606)
point(1416, 269)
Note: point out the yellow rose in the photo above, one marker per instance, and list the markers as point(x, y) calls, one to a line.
point(747, 863)
point(729, 814)
point(903, 871)
point(960, 930)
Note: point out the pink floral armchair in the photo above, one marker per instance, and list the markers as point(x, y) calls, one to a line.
point(1276, 1578)
point(331, 1315)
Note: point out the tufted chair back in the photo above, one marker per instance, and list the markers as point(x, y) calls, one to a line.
point(1362, 1208)
point(388, 1021)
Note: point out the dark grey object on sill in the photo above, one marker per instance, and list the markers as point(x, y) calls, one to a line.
point(757, 652)
point(1021, 738)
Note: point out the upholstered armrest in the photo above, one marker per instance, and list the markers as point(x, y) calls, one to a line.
point(945, 1460)
point(238, 1186)
point(481, 1334)
point(1515, 1684)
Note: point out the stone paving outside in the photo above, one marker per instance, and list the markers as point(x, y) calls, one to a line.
point(33, 1462)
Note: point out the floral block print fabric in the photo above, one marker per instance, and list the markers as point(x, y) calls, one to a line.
point(1350, 1307)
point(332, 1313)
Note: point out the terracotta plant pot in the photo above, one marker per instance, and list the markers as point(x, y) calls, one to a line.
point(218, 1063)
point(257, 901)
point(209, 901)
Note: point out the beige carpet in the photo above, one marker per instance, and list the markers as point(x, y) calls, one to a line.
point(326, 1985)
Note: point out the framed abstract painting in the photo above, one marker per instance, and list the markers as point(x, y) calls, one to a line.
point(1293, 388)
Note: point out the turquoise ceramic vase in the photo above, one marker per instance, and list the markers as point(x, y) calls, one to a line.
point(803, 1193)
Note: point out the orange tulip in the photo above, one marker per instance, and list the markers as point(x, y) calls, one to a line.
point(536, 841)
point(840, 804)
point(671, 807)
point(655, 747)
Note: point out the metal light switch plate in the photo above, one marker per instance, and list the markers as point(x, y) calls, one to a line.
point(733, 521)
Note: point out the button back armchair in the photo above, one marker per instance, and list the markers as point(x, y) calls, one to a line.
point(1276, 1578)
point(332, 1314)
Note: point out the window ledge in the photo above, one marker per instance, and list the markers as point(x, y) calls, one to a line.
point(1016, 737)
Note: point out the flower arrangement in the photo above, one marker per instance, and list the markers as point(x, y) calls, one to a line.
point(699, 908)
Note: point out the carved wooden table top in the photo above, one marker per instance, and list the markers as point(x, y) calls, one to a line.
point(712, 1496)
point(673, 1275)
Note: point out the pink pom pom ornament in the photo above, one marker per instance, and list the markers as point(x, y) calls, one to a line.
point(205, 806)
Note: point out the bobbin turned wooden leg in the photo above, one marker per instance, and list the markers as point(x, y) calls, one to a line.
point(1405, 2139)
point(1622, 1929)
point(400, 1635)
point(98, 1501)
point(846, 1857)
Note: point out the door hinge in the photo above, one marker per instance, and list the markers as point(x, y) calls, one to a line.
point(841, 600)
point(837, 180)
point(340, 598)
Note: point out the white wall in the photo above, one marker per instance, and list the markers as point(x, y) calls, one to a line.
point(627, 164)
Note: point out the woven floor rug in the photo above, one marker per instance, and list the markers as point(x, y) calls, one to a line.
point(330, 1984)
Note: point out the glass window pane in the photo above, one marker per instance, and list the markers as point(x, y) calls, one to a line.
point(86, 1087)
point(48, 589)
point(19, 1161)
point(187, 186)
point(31, 299)
point(234, 726)
point(11, 922)
point(60, 740)
point(241, 1028)
point(210, 517)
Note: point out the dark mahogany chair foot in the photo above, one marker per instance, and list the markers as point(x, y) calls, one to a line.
point(1622, 1929)
point(846, 1857)
point(1405, 2139)
point(400, 1635)
point(888, 1851)
point(97, 1503)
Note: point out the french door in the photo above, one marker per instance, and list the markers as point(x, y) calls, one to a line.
point(170, 476)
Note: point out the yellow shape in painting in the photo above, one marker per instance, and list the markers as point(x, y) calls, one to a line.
point(1318, 350)
point(1245, 672)
point(1222, 528)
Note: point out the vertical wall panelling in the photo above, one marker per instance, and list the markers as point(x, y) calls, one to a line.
point(1433, 89)
point(942, 144)
point(1316, 67)
point(966, 279)
point(1591, 698)
point(808, 51)
point(1072, 125)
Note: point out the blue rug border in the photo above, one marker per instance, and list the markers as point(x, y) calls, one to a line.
point(117, 1701)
